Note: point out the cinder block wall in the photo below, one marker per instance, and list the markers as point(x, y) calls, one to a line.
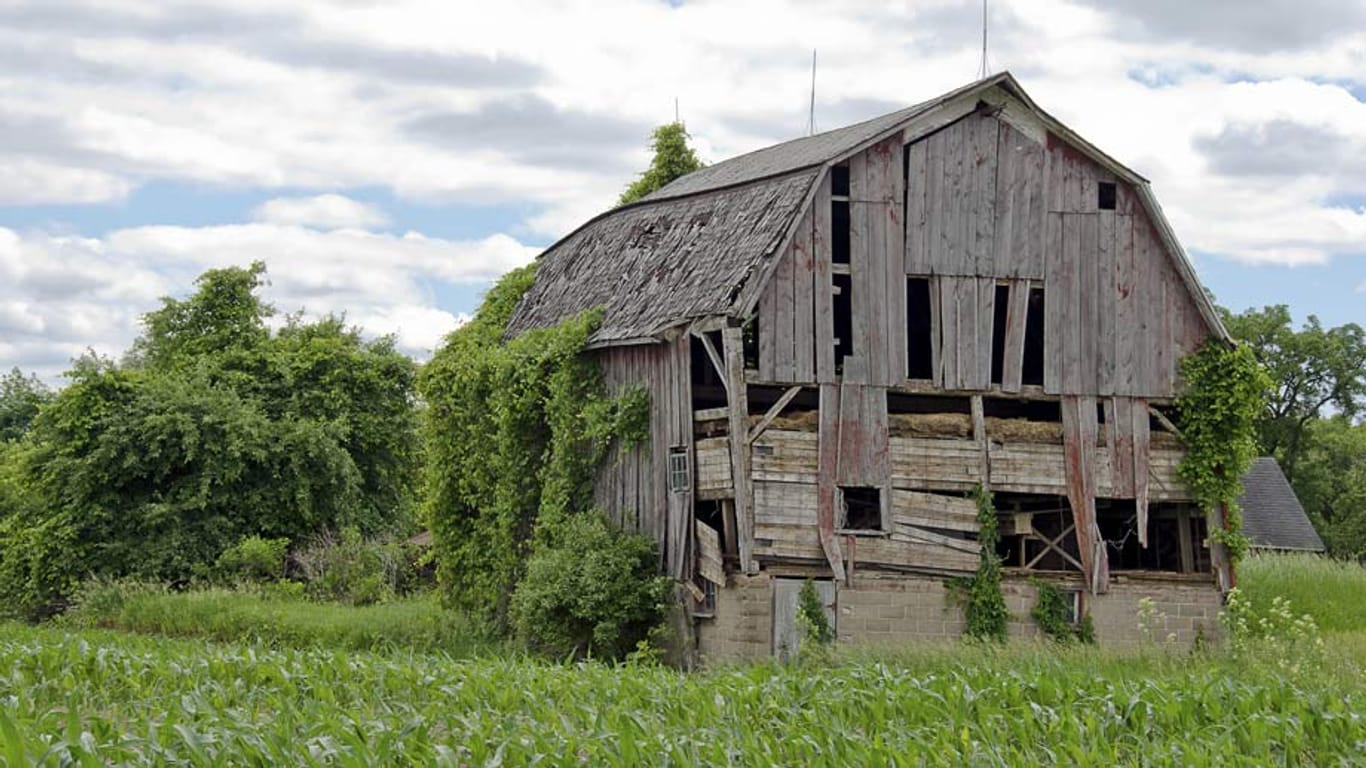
point(879, 608)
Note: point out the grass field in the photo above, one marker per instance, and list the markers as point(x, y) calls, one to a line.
point(96, 697)
point(415, 624)
point(281, 686)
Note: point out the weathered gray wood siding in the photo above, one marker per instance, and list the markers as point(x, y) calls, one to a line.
point(632, 486)
point(985, 204)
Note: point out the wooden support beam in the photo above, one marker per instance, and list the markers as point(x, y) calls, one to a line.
point(828, 447)
point(1051, 545)
point(773, 413)
point(715, 360)
point(979, 435)
point(732, 342)
point(1142, 450)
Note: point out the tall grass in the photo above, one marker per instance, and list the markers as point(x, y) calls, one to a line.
point(1332, 591)
point(414, 623)
point(93, 697)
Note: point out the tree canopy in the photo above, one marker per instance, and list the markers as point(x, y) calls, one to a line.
point(20, 398)
point(673, 158)
point(213, 428)
point(1310, 423)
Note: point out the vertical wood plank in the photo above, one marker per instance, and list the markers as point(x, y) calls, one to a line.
point(1105, 304)
point(936, 331)
point(859, 303)
point(1005, 244)
point(979, 435)
point(983, 211)
point(1126, 311)
point(1121, 424)
point(1079, 450)
point(952, 259)
point(1035, 186)
point(917, 256)
point(783, 324)
point(1054, 297)
point(821, 283)
point(1012, 367)
point(740, 458)
point(1142, 446)
point(828, 442)
point(875, 203)
point(803, 304)
point(897, 364)
point(768, 328)
point(936, 203)
point(1088, 295)
point(949, 331)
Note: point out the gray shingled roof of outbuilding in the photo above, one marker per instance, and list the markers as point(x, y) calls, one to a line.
point(1272, 515)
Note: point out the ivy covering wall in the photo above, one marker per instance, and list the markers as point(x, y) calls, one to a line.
point(1225, 394)
point(514, 433)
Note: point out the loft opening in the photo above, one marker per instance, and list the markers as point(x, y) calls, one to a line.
point(708, 390)
point(860, 509)
point(1031, 369)
point(839, 214)
point(1106, 195)
point(1000, 311)
point(919, 329)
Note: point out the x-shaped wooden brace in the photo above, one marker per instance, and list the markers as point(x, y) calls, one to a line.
point(1052, 546)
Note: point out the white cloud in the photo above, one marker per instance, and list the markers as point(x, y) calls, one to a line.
point(60, 295)
point(329, 211)
point(31, 181)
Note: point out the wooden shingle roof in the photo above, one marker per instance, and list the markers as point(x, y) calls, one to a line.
point(1272, 515)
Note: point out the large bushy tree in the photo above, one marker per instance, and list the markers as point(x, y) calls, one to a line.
point(20, 398)
point(212, 429)
point(1311, 421)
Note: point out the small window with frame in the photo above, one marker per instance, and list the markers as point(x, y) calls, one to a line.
point(680, 476)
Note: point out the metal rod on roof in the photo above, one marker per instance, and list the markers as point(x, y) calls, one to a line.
point(811, 121)
point(982, 72)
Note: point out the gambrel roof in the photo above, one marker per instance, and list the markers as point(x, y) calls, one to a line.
point(1272, 515)
point(705, 244)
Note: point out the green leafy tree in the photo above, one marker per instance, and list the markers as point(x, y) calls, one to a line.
point(20, 399)
point(1332, 484)
point(213, 429)
point(673, 158)
point(1312, 370)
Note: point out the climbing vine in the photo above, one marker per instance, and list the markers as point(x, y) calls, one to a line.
point(1225, 392)
point(1050, 613)
point(514, 433)
point(986, 606)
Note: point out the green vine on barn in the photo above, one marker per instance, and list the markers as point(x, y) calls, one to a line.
point(514, 432)
point(1225, 393)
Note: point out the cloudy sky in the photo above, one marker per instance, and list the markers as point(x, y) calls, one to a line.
point(388, 158)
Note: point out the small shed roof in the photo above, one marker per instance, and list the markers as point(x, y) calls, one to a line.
point(1272, 515)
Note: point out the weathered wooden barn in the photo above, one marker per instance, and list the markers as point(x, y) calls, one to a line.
point(844, 334)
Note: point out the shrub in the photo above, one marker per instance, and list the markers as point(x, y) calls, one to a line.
point(1271, 634)
point(253, 559)
point(589, 589)
point(817, 634)
point(986, 610)
point(347, 568)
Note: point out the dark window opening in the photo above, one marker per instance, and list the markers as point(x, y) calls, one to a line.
point(862, 509)
point(1168, 548)
point(839, 180)
point(1031, 372)
point(680, 476)
point(1106, 196)
point(844, 319)
point(839, 231)
point(707, 389)
point(998, 333)
point(749, 343)
point(919, 329)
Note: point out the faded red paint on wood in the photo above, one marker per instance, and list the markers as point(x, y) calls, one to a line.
point(828, 461)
